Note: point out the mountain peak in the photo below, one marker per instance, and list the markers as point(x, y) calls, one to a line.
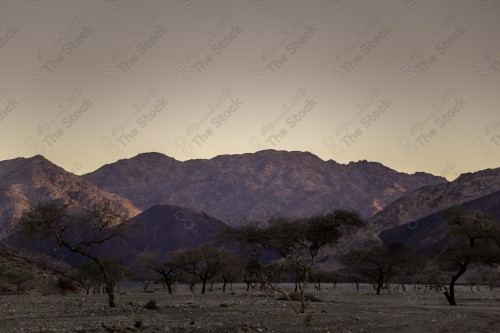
point(27, 181)
point(153, 155)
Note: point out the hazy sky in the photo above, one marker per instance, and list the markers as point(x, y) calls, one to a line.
point(413, 84)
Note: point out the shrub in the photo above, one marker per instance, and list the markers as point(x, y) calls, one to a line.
point(151, 305)
point(138, 323)
point(67, 285)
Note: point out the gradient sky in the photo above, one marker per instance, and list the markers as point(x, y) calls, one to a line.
point(413, 84)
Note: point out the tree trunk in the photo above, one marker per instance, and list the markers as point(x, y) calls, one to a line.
point(450, 295)
point(303, 288)
point(224, 284)
point(380, 282)
point(204, 286)
point(98, 288)
point(111, 295)
point(169, 286)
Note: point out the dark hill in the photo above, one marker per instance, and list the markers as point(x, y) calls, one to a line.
point(161, 228)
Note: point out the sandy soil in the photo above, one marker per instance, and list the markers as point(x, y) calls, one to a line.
point(342, 310)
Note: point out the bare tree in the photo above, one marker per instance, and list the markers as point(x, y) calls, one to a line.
point(78, 231)
point(142, 268)
point(203, 262)
point(476, 242)
point(163, 265)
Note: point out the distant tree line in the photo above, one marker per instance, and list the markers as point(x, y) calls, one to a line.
point(285, 250)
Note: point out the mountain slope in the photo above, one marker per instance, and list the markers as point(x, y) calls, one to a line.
point(258, 185)
point(428, 233)
point(27, 181)
point(431, 199)
point(45, 271)
point(166, 228)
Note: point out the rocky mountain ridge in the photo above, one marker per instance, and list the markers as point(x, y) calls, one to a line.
point(428, 200)
point(255, 186)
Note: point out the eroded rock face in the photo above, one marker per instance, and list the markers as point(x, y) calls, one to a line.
point(27, 181)
point(258, 185)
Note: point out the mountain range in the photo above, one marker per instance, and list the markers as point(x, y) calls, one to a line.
point(182, 204)
point(259, 185)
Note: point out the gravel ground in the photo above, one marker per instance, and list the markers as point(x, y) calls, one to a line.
point(343, 310)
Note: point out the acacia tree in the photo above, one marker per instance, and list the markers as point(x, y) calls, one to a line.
point(378, 263)
point(78, 231)
point(203, 262)
point(86, 274)
point(231, 268)
point(188, 279)
point(19, 278)
point(168, 270)
point(249, 238)
point(299, 242)
point(476, 242)
point(435, 279)
point(116, 270)
point(317, 277)
point(356, 278)
point(485, 276)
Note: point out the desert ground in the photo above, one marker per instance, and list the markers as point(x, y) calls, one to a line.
point(342, 310)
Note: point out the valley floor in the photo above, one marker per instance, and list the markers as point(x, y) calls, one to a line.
point(342, 310)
